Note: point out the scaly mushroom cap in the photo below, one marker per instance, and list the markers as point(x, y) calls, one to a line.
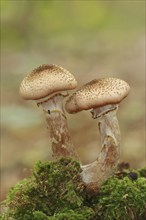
point(97, 93)
point(45, 80)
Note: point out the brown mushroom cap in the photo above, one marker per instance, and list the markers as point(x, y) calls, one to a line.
point(97, 93)
point(45, 80)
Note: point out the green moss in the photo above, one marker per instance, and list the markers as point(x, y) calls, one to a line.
point(121, 199)
point(142, 172)
point(55, 191)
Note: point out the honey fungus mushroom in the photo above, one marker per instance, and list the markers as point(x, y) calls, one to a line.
point(47, 85)
point(102, 97)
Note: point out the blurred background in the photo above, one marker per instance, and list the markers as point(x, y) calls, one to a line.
point(91, 39)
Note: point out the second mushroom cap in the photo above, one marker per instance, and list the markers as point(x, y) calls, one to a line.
point(96, 93)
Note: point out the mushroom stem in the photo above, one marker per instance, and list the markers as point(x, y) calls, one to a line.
point(62, 145)
point(107, 122)
point(104, 166)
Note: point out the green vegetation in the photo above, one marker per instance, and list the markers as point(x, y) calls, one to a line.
point(73, 20)
point(55, 191)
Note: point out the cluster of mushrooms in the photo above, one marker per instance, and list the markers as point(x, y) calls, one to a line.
point(48, 86)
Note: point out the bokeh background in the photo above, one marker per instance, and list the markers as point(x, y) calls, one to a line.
point(91, 39)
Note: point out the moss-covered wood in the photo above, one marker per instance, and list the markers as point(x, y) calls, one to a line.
point(55, 191)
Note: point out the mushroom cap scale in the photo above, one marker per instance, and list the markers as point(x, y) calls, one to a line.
point(46, 80)
point(97, 93)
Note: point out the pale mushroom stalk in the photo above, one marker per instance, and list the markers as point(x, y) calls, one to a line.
point(58, 128)
point(107, 121)
point(104, 166)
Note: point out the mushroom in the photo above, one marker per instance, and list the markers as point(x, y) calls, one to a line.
point(47, 85)
point(102, 96)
